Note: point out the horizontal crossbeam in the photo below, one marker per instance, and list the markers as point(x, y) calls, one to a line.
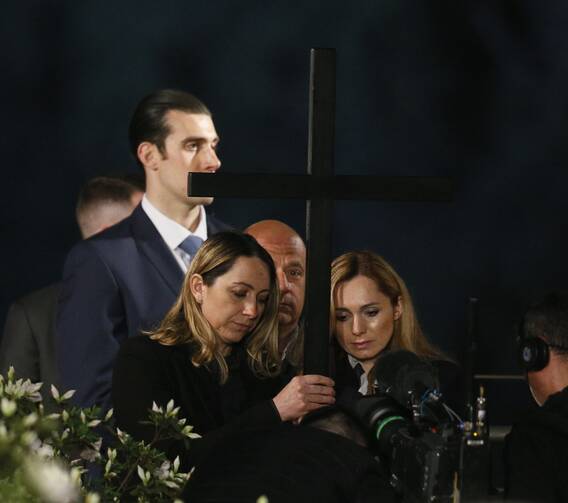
point(339, 187)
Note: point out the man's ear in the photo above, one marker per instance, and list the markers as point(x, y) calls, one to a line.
point(398, 308)
point(148, 155)
point(196, 286)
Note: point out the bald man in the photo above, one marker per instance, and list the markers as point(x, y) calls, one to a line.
point(288, 252)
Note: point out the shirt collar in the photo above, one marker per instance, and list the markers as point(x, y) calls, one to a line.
point(363, 378)
point(172, 232)
point(353, 361)
point(291, 338)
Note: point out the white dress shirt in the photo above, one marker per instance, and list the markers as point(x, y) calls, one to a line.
point(173, 233)
point(363, 379)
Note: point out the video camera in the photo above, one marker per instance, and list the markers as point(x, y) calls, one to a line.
point(431, 455)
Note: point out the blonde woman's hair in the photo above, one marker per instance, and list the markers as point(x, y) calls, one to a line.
point(185, 322)
point(407, 333)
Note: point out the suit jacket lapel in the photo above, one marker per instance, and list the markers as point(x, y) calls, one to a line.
point(151, 244)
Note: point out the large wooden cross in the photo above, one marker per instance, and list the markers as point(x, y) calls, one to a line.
point(319, 187)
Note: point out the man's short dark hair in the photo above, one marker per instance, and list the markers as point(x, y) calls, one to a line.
point(548, 319)
point(149, 123)
point(335, 420)
point(104, 190)
point(137, 180)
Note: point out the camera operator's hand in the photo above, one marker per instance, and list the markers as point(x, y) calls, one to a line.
point(303, 394)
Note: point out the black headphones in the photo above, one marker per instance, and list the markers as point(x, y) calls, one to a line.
point(534, 352)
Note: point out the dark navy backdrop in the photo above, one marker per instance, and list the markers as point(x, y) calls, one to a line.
point(476, 91)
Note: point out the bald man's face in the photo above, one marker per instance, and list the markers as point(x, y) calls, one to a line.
point(289, 256)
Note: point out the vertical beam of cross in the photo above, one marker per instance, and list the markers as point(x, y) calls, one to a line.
point(319, 211)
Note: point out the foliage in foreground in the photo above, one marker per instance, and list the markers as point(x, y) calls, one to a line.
point(60, 457)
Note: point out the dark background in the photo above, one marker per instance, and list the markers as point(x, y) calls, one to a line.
point(477, 91)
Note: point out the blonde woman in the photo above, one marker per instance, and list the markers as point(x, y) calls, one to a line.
point(216, 351)
point(372, 312)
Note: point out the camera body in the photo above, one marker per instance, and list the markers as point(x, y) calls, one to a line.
point(424, 466)
point(426, 450)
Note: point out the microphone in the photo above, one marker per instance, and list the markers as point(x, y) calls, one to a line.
point(405, 377)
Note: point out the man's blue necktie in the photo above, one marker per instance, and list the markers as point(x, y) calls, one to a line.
point(190, 245)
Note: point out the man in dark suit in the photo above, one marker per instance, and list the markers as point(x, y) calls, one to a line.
point(124, 280)
point(28, 340)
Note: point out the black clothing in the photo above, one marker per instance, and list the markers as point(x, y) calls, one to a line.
point(536, 454)
point(449, 376)
point(147, 371)
point(288, 464)
point(28, 340)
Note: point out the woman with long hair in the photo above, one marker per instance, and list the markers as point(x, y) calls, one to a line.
point(216, 351)
point(372, 312)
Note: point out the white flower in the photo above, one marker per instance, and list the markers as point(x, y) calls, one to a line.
point(262, 499)
point(68, 394)
point(55, 393)
point(89, 454)
point(8, 407)
point(30, 420)
point(51, 481)
point(29, 438)
point(31, 390)
point(44, 451)
point(75, 474)
point(122, 435)
point(144, 476)
point(188, 432)
point(58, 398)
point(92, 498)
point(24, 389)
point(111, 454)
point(109, 414)
point(164, 471)
point(171, 484)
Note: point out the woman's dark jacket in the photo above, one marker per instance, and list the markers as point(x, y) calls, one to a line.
point(147, 371)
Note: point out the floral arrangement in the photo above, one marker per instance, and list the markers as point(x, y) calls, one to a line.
point(59, 457)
